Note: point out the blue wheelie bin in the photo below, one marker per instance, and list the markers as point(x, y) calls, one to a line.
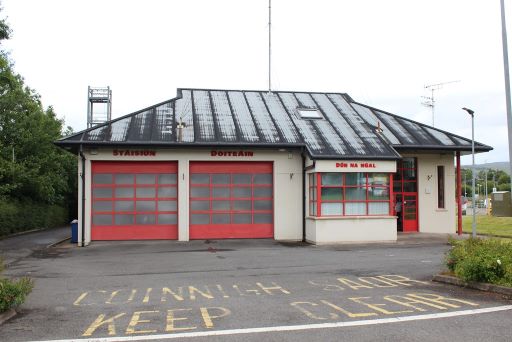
point(74, 231)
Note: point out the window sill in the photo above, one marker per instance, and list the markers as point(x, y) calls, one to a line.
point(440, 210)
point(315, 218)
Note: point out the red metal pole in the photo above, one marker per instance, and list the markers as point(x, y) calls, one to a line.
point(459, 195)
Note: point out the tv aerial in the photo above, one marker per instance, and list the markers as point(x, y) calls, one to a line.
point(429, 101)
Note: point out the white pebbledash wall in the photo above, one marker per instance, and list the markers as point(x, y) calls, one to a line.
point(431, 218)
point(287, 186)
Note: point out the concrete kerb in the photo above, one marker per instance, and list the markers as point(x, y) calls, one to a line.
point(25, 232)
point(447, 279)
point(58, 242)
point(7, 315)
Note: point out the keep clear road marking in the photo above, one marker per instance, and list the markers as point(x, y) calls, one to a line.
point(293, 327)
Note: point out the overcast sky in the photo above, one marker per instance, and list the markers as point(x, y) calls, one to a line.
point(382, 53)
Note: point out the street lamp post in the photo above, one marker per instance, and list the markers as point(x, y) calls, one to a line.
point(486, 194)
point(472, 113)
point(465, 187)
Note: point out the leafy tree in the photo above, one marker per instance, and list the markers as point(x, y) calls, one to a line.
point(32, 168)
point(503, 178)
point(5, 31)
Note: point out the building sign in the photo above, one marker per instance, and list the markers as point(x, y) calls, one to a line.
point(231, 153)
point(363, 165)
point(134, 153)
point(384, 166)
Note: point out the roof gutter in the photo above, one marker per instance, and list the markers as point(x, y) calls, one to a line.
point(82, 175)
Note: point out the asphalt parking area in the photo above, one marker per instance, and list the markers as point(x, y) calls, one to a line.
point(222, 289)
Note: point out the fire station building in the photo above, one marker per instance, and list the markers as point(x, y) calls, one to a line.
point(220, 164)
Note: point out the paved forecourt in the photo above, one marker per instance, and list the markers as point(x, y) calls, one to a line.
point(234, 288)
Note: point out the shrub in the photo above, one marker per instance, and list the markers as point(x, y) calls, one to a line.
point(481, 260)
point(13, 292)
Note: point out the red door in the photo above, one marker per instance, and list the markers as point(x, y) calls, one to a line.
point(410, 212)
point(405, 188)
point(134, 201)
point(231, 200)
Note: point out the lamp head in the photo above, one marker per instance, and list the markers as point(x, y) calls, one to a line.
point(470, 112)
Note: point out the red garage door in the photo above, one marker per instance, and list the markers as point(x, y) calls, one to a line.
point(231, 200)
point(134, 201)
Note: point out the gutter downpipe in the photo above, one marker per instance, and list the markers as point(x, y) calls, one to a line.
point(303, 196)
point(81, 153)
point(459, 195)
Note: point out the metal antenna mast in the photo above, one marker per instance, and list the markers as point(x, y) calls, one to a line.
point(269, 45)
point(98, 96)
point(430, 100)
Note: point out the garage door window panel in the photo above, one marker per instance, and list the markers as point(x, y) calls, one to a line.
point(262, 192)
point(145, 206)
point(103, 178)
point(102, 206)
point(221, 205)
point(124, 178)
point(221, 179)
point(167, 192)
point(124, 193)
point(221, 192)
point(263, 218)
point(102, 220)
point(200, 192)
point(124, 219)
point(242, 192)
point(200, 218)
point(199, 178)
point(167, 179)
point(102, 192)
point(167, 219)
point(145, 192)
point(167, 206)
point(145, 219)
point(221, 219)
point(125, 206)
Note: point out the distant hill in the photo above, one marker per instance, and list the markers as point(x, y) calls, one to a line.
point(503, 166)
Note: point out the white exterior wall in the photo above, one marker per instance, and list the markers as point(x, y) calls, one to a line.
point(87, 220)
point(325, 230)
point(431, 218)
point(287, 186)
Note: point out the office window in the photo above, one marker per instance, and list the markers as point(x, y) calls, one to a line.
point(349, 194)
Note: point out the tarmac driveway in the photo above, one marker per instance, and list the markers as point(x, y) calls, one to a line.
point(249, 289)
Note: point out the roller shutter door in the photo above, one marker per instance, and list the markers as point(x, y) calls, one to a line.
point(231, 200)
point(134, 201)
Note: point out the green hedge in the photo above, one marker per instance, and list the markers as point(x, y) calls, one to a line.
point(481, 260)
point(17, 216)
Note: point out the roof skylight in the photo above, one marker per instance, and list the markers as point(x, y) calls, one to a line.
point(309, 113)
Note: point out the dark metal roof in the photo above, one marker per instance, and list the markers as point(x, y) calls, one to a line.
point(347, 129)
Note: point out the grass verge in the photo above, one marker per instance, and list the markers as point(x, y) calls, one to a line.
point(489, 225)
